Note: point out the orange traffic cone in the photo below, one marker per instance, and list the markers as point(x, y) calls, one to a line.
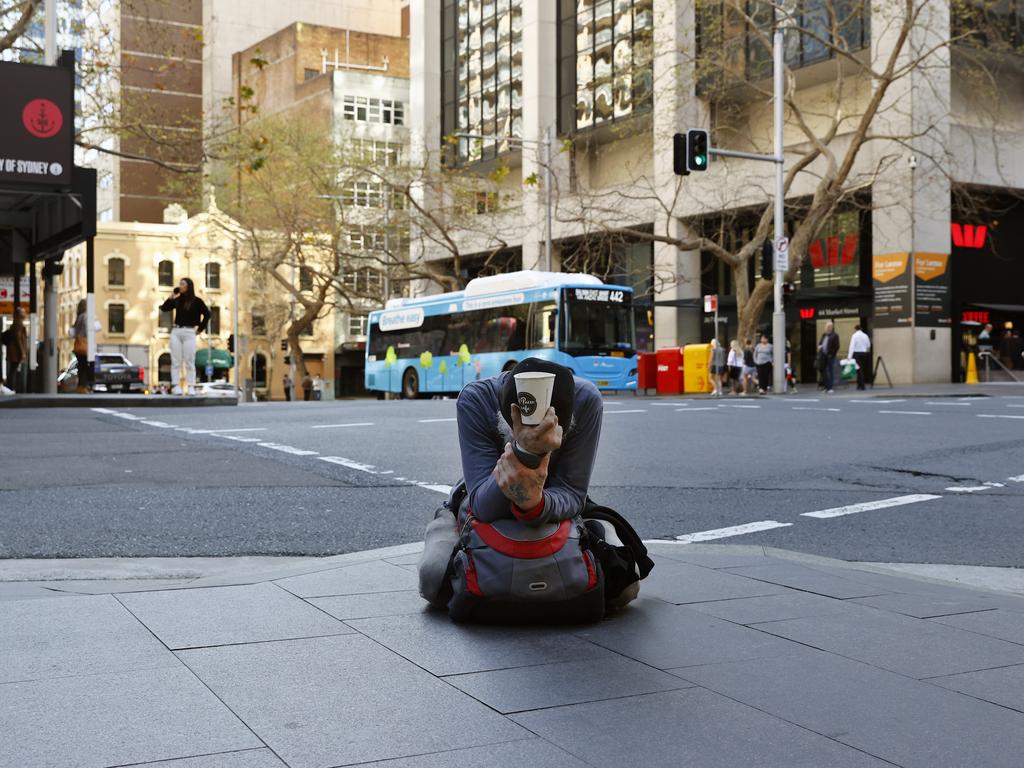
point(972, 369)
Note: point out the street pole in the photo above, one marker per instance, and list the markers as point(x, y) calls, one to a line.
point(90, 306)
point(547, 194)
point(50, 329)
point(779, 315)
point(234, 319)
point(33, 322)
point(50, 290)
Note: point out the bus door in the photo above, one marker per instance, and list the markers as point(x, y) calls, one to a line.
point(543, 326)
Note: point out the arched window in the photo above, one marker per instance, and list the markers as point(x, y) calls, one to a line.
point(163, 368)
point(166, 273)
point(115, 271)
point(213, 275)
point(259, 370)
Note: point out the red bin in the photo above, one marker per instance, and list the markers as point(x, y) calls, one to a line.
point(670, 371)
point(647, 371)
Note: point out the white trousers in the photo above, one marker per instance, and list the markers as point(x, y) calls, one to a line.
point(183, 350)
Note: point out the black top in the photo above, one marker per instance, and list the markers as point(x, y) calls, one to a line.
point(197, 315)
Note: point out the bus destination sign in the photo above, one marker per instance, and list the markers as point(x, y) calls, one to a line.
point(599, 294)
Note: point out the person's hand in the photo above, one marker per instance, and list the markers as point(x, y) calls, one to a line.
point(521, 485)
point(199, 330)
point(542, 438)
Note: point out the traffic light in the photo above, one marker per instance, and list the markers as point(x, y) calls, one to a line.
point(767, 259)
point(679, 155)
point(231, 343)
point(697, 155)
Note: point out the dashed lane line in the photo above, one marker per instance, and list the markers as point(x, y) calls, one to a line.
point(370, 469)
point(287, 449)
point(339, 426)
point(219, 431)
point(998, 416)
point(805, 400)
point(936, 402)
point(736, 405)
point(876, 402)
point(691, 410)
point(633, 410)
point(159, 424)
point(974, 488)
point(735, 530)
point(909, 413)
point(810, 408)
point(433, 421)
point(867, 506)
point(1016, 479)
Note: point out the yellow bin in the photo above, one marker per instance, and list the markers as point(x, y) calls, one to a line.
point(696, 377)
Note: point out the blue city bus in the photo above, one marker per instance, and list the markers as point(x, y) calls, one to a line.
point(438, 344)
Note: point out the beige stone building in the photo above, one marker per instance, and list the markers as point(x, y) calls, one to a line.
point(138, 264)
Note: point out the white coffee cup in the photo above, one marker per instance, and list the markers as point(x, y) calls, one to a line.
point(533, 394)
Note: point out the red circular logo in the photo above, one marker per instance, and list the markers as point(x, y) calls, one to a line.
point(42, 118)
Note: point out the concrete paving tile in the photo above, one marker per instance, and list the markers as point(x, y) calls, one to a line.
point(64, 636)
point(912, 724)
point(683, 554)
point(917, 648)
point(115, 719)
point(1003, 624)
point(534, 753)
point(363, 578)
point(680, 583)
point(789, 605)
point(192, 618)
point(246, 758)
point(432, 641)
point(333, 701)
point(922, 606)
point(1003, 686)
point(410, 559)
point(555, 685)
point(807, 579)
point(370, 606)
point(691, 727)
point(667, 636)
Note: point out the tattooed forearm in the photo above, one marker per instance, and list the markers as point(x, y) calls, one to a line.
point(517, 493)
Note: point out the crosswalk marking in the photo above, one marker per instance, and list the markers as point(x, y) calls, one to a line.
point(867, 506)
point(909, 413)
point(735, 530)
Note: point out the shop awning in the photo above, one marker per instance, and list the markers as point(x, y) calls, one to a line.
point(996, 307)
point(218, 358)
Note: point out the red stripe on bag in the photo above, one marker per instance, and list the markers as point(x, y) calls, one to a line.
point(591, 571)
point(471, 583)
point(527, 550)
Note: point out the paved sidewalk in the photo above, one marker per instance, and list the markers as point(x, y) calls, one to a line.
point(734, 656)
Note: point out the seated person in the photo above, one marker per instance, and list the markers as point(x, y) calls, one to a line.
point(498, 449)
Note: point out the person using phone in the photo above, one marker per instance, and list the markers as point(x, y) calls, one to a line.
point(190, 318)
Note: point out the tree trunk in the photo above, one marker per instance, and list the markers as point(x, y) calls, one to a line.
point(749, 311)
point(295, 350)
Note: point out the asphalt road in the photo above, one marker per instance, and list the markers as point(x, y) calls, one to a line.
point(332, 477)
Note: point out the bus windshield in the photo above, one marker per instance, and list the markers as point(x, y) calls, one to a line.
point(597, 322)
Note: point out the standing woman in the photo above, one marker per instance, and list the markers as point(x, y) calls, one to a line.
point(735, 363)
point(80, 334)
point(716, 367)
point(190, 318)
point(763, 362)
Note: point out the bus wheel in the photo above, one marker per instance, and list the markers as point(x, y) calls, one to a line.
point(509, 366)
point(410, 384)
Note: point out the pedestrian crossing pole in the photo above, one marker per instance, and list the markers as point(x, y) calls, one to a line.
point(781, 252)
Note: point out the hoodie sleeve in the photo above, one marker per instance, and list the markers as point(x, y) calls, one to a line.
point(480, 453)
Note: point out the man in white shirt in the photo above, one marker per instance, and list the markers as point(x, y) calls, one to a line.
point(860, 350)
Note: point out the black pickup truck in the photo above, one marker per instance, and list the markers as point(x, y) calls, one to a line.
point(114, 373)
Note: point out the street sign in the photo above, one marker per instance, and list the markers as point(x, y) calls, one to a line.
point(7, 294)
point(209, 371)
point(37, 125)
point(782, 254)
point(711, 302)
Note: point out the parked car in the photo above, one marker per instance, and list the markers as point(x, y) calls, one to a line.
point(114, 373)
point(216, 389)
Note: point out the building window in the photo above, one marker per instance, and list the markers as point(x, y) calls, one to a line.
point(259, 325)
point(357, 325)
point(213, 275)
point(482, 72)
point(309, 331)
point(486, 202)
point(605, 63)
point(364, 282)
point(309, 74)
point(375, 153)
point(214, 326)
point(166, 321)
point(370, 194)
point(259, 370)
point(115, 318)
point(163, 368)
point(365, 109)
point(165, 273)
point(305, 278)
point(115, 271)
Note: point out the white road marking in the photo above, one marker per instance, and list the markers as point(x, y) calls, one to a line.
point(607, 402)
point(220, 431)
point(936, 402)
point(102, 410)
point(691, 410)
point(371, 470)
point(336, 426)
point(804, 400)
point(880, 402)
point(1016, 479)
point(635, 410)
point(287, 449)
point(240, 439)
point(910, 413)
point(998, 416)
point(434, 421)
point(669, 405)
point(968, 488)
point(809, 408)
point(735, 530)
point(736, 405)
point(445, 489)
point(368, 468)
point(160, 424)
point(128, 416)
point(1015, 405)
point(867, 506)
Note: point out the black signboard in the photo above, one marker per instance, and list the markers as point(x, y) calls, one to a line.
point(891, 278)
point(37, 126)
point(931, 290)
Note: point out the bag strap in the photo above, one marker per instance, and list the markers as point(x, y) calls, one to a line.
point(625, 532)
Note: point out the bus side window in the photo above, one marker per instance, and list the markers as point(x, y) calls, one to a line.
point(543, 322)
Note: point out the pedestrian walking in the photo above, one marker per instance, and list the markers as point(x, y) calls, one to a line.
point(985, 340)
point(318, 387)
point(860, 351)
point(80, 334)
point(15, 341)
point(307, 387)
point(763, 363)
point(287, 384)
point(190, 318)
point(749, 368)
point(735, 365)
point(828, 348)
point(716, 367)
